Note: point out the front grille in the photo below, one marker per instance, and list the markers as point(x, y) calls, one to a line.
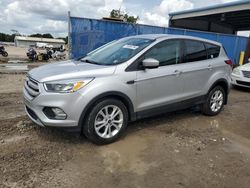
point(246, 74)
point(243, 83)
point(31, 86)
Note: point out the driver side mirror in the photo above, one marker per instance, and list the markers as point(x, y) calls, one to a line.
point(150, 63)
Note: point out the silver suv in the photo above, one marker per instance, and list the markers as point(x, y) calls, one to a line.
point(126, 80)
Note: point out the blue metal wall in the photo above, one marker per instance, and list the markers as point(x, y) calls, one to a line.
point(88, 34)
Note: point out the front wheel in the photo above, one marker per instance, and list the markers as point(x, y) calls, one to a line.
point(106, 121)
point(215, 101)
point(5, 54)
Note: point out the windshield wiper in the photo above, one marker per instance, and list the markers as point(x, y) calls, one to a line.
point(90, 61)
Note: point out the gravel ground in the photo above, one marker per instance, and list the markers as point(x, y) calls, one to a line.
point(181, 149)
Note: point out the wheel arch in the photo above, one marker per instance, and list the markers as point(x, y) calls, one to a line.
point(111, 94)
point(224, 84)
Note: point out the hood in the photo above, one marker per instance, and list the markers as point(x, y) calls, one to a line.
point(245, 67)
point(69, 70)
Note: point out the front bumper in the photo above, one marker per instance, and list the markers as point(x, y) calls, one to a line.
point(240, 81)
point(68, 102)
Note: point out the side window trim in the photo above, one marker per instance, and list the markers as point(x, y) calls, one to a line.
point(205, 50)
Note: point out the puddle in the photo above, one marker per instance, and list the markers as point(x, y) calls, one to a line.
point(126, 156)
point(238, 143)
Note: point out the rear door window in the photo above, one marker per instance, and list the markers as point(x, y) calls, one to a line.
point(213, 51)
point(194, 51)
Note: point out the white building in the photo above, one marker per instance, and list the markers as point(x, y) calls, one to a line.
point(21, 41)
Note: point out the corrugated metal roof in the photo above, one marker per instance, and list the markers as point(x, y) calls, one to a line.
point(219, 7)
point(36, 39)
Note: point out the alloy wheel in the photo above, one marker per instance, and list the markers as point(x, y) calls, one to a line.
point(108, 121)
point(216, 101)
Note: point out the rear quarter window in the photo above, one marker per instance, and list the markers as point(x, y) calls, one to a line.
point(194, 51)
point(213, 51)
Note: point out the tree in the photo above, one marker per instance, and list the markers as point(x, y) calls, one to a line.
point(65, 39)
point(36, 35)
point(124, 16)
point(46, 35)
point(115, 14)
point(131, 19)
point(6, 37)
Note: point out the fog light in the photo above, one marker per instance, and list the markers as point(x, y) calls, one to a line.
point(59, 113)
point(54, 113)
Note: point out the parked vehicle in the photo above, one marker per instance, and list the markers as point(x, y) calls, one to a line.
point(31, 54)
point(41, 56)
point(43, 45)
point(241, 76)
point(126, 80)
point(58, 55)
point(3, 51)
point(49, 52)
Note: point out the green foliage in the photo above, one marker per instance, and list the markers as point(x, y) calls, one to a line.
point(10, 38)
point(117, 14)
point(6, 37)
point(37, 35)
point(65, 39)
point(46, 35)
point(131, 19)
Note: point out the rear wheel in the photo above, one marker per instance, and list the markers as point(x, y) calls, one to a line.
point(106, 121)
point(215, 101)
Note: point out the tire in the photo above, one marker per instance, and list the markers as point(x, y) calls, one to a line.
point(102, 129)
point(214, 102)
point(5, 54)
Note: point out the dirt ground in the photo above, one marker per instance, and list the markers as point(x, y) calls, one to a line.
point(181, 149)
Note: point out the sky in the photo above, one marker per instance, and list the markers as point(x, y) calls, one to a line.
point(50, 16)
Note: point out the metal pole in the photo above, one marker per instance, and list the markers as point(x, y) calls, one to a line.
point(235, 51)
point(247, 55)
point(69, 37)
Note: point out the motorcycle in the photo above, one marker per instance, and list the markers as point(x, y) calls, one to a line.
point(3, 52)
point(58, 55)
point(31, 54)
point(34, 56)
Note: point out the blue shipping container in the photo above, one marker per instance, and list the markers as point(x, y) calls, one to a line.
point(88, 34)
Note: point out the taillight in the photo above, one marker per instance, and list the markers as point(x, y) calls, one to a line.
point(229, 62)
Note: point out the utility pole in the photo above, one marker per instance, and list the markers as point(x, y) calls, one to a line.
point(69, 37)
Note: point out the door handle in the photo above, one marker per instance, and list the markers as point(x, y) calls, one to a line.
point(131, 82)
point(210, 67)
point(177, 73)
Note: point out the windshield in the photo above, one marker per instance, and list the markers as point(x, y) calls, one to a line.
point(117, 51)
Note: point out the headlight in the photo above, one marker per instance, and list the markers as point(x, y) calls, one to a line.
point(236, 71)
point(66, 86)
